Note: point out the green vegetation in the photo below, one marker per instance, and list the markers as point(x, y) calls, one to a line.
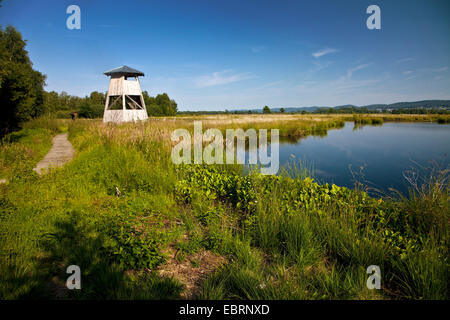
point(92, 106)
point(21, 150)
point(290, 130)
point(358, 120)
point(266, 109)
point(423, 107)
point(161, 105)
point(21, 87)
point(74, 216)
point(443, 120)
point(61, 105)
point(124, 213)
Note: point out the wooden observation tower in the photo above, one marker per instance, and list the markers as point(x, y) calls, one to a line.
point(124, 101)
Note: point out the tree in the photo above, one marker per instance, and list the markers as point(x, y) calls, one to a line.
point(91, 111)
point(21, 87)
point(282, 110)
point(161, 105)
point(97, 98)
point(51, 102)
point(266, 109)
point(92, 106)
point(64, 100)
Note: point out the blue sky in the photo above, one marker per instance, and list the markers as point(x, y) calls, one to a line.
point(216, 54)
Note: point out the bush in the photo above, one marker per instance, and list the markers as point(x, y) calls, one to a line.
point(376, 121)
point(130, 244)
point(443, 120)
point(230, 187)
point(62, 114)
point(91, 111)
point(266, 109)
point(161, 105)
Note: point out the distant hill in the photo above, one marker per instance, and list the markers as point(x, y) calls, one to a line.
point(426, 104)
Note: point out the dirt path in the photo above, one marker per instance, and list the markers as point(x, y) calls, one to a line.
point(61, 152)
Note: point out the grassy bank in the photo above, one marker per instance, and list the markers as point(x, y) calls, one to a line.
point(141, 228)
point(20, 151)
point(295, 126)
point(312, 118)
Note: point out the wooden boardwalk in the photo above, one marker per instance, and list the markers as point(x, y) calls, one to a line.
point(61, 152)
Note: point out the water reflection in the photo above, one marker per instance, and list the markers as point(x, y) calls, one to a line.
point(376, 155)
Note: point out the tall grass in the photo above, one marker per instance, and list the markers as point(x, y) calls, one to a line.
point(122, 211)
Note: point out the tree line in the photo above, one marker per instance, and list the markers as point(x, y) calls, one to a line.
point(62, 105)
point(325, 110)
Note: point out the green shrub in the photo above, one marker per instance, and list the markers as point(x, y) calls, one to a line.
point(377, 121)
point(91, 110)
point(230, 187)
point(130, 244)
point(423, 275)
point(443, 120)
point(63, 114)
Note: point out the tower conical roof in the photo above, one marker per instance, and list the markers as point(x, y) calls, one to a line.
point(124, 70)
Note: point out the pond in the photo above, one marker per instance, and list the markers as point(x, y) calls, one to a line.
point(377, 156)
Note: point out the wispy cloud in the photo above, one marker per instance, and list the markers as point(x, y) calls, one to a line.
point(270, 85)
point(412, 77)
point(410, 74)
point(439, 69)
point(320, 66)
point(258, 49)
point(405, 60)
point(359, 67)
point(433, 70)
point(358, 84)
point(323, 52)
point(424, 72)
point(220, 78)
point(346, 82)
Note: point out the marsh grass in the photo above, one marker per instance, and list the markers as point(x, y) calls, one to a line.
point(283, 237)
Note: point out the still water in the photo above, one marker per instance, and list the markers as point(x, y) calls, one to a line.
point(378, 156)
